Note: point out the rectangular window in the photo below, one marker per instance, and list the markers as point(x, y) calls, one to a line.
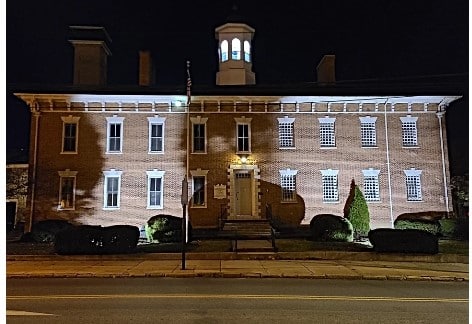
point(288, 184)
point(413, 188)
point(330, 188)
point(368, 134)
point(409, 131)
point(243, 138)
point(198, 138)
point(114, 134)
point(70, 139)
point(114, 140)
point(371, 188)
point(286, 135)
point(67, 190)
point(156, 139)
point(70, 128)
point(112, 192)
point(155, 181)
point(198, 191)
point(155, 192)
point(327, 135)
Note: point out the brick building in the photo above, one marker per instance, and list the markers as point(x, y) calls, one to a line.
point(112, 155)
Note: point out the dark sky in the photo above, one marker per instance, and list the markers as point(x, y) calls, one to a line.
point(371, 39)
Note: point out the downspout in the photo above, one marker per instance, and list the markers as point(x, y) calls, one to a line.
point(388, 166)
point(440, 114)
point(36, 113)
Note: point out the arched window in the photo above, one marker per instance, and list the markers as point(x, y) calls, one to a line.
point(224, 51)
point(235, 49)
point(247, 51)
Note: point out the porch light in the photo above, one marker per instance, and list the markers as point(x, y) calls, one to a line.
point(243, 159)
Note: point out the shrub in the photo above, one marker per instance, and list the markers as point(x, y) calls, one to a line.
point(428, 216)
point(87, 239)
point(45, 231)
point(427, 226)
point(165, 229)
point(403, 241)
point(357, 211)
point(448, 227)
point(327, 227)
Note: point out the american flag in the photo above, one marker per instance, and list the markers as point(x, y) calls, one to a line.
point(189, 84)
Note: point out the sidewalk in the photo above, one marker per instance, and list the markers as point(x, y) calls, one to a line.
point(327, 265)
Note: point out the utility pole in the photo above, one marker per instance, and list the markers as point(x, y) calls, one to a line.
point(184, 200)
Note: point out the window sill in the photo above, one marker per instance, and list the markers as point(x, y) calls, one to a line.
point(288, 148)
point(410, 147)
point(331, 202)
point(328, 147)
point(414, 201)
point(111, 208)
point(155, 153)
point(69, 153)
point(199, 153)
point(288, 202)
point(370, 147)
point(65, 209)
point(199, 207)
point(155, 207)
point(115, 153)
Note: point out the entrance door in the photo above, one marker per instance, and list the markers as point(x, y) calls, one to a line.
point(11, 214)
point(243, 194)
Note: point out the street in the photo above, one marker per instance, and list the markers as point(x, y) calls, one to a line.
point(218, 300)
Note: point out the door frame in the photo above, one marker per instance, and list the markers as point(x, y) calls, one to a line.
point(255, 189)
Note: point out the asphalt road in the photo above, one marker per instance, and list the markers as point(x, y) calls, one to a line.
point(207, 300)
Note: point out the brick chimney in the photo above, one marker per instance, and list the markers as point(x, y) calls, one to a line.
point(91, 52)
point(326, 70)
point(146, 74)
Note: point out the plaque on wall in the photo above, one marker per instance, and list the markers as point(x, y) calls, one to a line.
point(219, 191)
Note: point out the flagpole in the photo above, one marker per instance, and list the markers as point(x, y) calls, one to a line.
point(184, 197)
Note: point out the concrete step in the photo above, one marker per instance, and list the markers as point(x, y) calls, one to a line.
point(254, 246)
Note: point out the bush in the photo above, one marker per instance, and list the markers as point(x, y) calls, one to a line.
point(432, 227)
point(88, 239)
point(166, 229)
point(45, 231)
point(359, 213)
point(428, 216)
point(327, 227)
point(448, 227)
point(403, 241)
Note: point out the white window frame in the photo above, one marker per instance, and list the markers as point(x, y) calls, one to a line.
point(235, 49)
point(288, 184)
point(286, 133)
point(113, 121)
point(155, 174)
point(327, 132)
point(330, 186)
point(70, 120)
point(67, 174)
point(413, 185)
point(156, 121)
point(112, 173)
point(243, 121)
point(224, 51)
point(247, 51)
point(199, 173)
point(371, 185)
point(368, 131)
point(199, 121)
point(409, 131)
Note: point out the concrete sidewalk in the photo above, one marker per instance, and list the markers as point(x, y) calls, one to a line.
point(229, 265)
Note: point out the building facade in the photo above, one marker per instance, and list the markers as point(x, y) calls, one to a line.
point(109, 156)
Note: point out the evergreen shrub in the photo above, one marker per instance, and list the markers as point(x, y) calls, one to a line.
point(357, 212)
point(327, 227)
point(448, 227)
point(432, 227)
point(403, 241)
point(165, 229)
point(88, 239)
point(45, 231)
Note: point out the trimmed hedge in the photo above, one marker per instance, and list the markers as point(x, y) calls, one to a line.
point(45, 231)
point(403, 241)
point(166, 229)
point(428, 216)
point(327, 227)
point(432, 227)
point(88, 239)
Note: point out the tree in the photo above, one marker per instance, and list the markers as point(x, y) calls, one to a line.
point(357, 212)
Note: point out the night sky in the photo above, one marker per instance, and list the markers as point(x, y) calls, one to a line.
point(385, 39)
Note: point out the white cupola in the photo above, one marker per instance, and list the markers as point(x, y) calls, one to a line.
point(234, 54)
